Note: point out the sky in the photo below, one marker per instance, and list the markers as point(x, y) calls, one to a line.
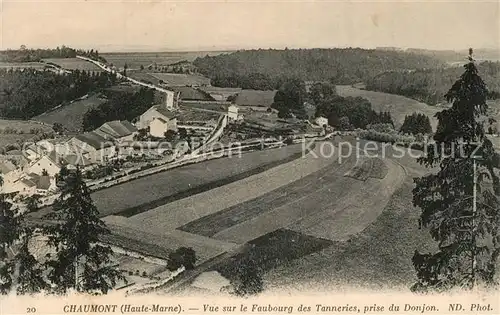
point(128, 25)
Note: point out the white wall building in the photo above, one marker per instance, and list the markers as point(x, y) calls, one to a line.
point(45, 163)
point(232, 112)
point(157, 111)
point(321, 121)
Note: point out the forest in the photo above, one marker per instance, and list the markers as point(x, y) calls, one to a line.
point(430, 85)
point(28, 93)
point(33, 55)
point(264, 69)
point(119, 106)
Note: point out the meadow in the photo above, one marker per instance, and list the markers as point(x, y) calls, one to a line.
point(398, 106)
point(20, 131)
point(73, 64)
point(70, 115)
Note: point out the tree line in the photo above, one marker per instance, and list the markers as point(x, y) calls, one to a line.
point(119, 106)
point(430, 85)
point(28, 93)
point(345, 113)
point(415, 124)
point(34, 55)
point(261, 69)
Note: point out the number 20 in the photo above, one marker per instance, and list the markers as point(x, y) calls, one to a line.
point(31, 310)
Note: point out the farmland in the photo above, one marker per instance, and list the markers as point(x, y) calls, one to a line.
point(135, 60)
point(73, 64)
point(161, 188)
point(398, 106)
point(71, 115)
point(377, 258)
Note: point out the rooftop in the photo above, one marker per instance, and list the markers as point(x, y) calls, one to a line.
point(118, 129)
point(164, 111)
point(6, 167)
point(94, 140)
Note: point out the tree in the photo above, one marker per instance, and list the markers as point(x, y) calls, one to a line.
point(463, 223)
point(291, 97)
point(415, 124)
point(170, 135)
point(19, 271)
point(32, 202)
point(81, 263)
point(58, 128)
point(142, 67)
point(321, 91)
point(183, 256)
point(125, 67)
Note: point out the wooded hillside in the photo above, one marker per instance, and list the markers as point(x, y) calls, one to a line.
point(265, 69)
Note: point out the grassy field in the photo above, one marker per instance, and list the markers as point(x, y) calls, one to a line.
point(136, 59)
point(74, 64)
point(24, 131)
point(71, 115)
point(274, 249)
point(377, 258)
point(398, 106)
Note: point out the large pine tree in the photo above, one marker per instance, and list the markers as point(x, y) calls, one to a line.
point(81, 263)
point(19, 270)
point(462, 220)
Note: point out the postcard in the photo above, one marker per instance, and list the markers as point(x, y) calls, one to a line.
point(249, 157)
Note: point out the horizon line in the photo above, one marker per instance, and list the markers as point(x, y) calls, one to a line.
point(152, 49)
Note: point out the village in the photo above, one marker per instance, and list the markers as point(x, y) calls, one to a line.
point(192, 120)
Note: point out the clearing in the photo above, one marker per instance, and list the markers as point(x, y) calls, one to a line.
point(71, 115)
point(73, 64)
point(398, 106)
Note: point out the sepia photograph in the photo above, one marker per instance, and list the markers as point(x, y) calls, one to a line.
point(250, 151)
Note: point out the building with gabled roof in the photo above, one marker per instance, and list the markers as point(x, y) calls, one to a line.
point(158, 111)
point(119, 130)
point(44, 164)
point(94, 146)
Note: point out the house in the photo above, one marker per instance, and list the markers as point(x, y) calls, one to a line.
point(232, 112)
point(158, 127)
point(10, 173)
point(73, 160)
point(321, 121)
point(44, 164)
point(6, 167)
point(120, 131)
point(94, 147)
point(33, 152)
point(43, 184)
point(157, 111)
point(23, 186)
